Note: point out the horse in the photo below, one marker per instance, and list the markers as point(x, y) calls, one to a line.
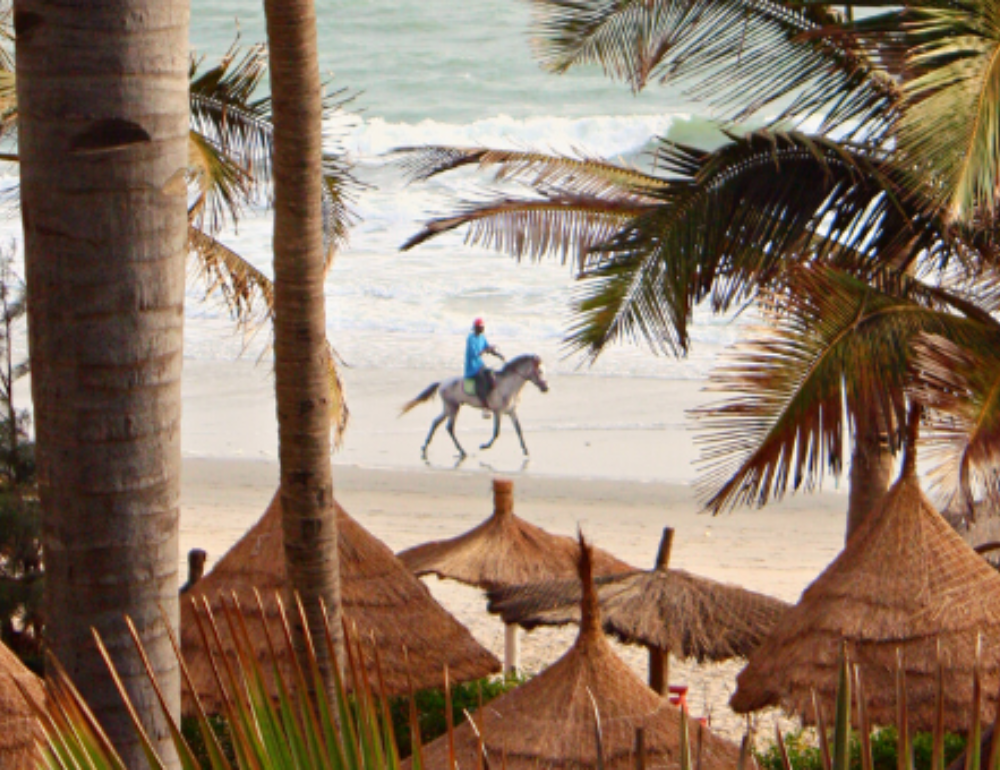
point(503, 399)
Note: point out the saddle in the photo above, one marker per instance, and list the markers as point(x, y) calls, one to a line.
point(469, 386)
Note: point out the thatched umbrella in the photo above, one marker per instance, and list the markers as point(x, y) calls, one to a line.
point(504, 550)
point(550, 720)
point(905, 581)
point(381, 598)
point(665, 610)
point(19, 730)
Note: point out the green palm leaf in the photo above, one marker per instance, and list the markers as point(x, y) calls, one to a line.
point(837, 347)
point(734, 219)
point(951, 124)
point(564, 227)
point(749, 53)
point(584, 176)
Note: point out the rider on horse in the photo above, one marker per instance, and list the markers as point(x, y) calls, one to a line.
point(475, 369)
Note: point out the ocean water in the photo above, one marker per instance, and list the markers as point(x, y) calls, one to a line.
point(456, 73)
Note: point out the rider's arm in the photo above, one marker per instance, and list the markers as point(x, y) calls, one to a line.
point(493, 350)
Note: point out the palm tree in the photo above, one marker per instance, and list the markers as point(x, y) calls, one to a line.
point(105, 224)
point(300, 350)
point(906, 186)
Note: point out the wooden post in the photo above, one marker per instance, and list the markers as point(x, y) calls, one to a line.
point(659, 668)
point(511, 653)
point(640, 748)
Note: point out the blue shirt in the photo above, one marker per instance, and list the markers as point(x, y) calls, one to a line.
point(474, 347)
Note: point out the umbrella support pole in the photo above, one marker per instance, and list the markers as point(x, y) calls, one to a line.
point(511, 650)
point(659, 669)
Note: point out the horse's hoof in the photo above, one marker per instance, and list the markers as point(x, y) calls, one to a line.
point(485, 446)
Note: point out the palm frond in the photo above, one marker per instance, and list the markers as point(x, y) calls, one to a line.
point(734, 219)
point(838, 347)
point(222, 187)
point(226, 111)
point(951, 125)
point(567, 228)
point(246, 292)
point(584, 176)
point(744, 54)
point(959, 384)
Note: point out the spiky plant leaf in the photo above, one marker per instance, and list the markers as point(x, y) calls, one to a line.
point(837, 348)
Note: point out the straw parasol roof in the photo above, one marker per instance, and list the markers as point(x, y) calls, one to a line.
point(668, 609)
point(19, 730)
point(504, 550)
point(905, 581)
point(380, 597)
point(549, 721)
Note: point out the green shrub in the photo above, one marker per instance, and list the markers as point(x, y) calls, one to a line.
point(430, 708)
point(805, 754)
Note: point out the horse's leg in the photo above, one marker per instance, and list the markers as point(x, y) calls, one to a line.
point(434, 426)
point(496, 431)
point(517, 427)
point(451, 429)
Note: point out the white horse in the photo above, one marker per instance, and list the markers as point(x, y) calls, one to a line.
point(503, 399)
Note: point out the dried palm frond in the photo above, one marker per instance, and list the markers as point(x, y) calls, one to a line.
point(244, 290)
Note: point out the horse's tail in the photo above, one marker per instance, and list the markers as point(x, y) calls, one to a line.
point(427, 395)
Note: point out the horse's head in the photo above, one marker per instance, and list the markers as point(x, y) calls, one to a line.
point(537, 374)
point(530, 369)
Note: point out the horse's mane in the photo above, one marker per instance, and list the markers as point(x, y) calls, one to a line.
point(515, 362)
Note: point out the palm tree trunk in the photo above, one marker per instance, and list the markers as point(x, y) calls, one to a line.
point(871, 473)
point(300, 349)
point(102, 94)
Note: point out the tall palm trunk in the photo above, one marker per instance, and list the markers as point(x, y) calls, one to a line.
point(300, 349)
point(102, 97)
point(871, 472)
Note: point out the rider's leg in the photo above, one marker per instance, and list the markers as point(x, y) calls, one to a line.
point(483, 389)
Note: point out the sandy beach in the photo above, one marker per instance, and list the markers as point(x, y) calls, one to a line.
point(621, 471)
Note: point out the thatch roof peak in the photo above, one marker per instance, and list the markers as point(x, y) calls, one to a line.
point(504, 550)
point(503, 498)
point(905, 581)
point(590, 611)
point(663, 554)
